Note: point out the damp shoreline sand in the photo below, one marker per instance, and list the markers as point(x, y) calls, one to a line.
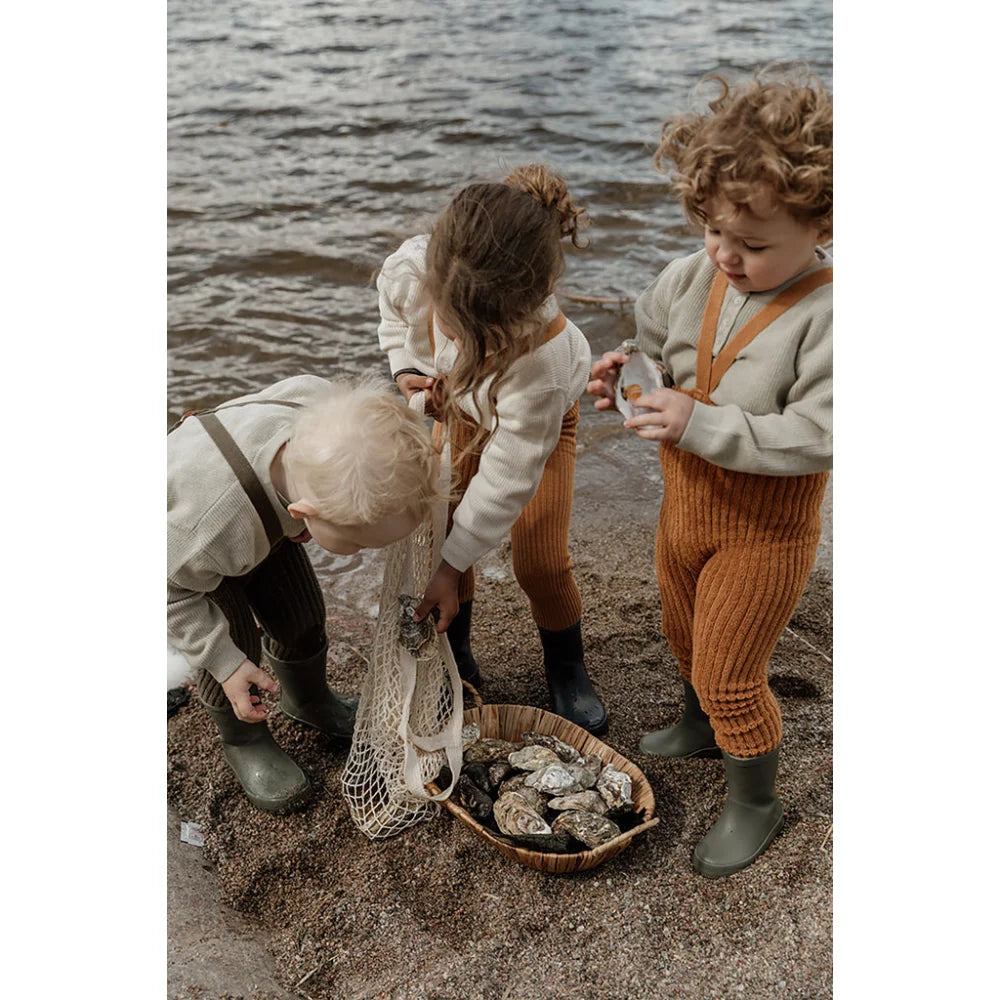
point(306, 906)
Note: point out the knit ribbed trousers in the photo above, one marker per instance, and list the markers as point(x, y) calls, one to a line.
point(539, 537)
point(284, 596)
point(733, 554)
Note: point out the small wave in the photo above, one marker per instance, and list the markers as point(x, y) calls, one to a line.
point(289, 263)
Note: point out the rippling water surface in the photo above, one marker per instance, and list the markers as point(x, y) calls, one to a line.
point(306, 139)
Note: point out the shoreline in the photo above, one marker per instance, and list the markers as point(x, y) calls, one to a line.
point(436, 912)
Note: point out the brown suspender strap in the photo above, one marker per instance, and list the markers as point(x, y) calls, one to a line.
point(244, 473)
point(706, 338)
point(554, 328)
point(708, 381)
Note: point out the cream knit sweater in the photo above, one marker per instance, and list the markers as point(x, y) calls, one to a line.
point(774, 407)
point(538, 391)
point(213, 530)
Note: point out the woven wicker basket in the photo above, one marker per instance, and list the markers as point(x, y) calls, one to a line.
point(509, 722)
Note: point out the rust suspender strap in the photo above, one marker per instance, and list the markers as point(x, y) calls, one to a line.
point(555, 327)
point(709, 372)
point(244, 473)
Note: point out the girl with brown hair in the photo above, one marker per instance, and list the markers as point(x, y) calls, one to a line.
point(469, 315)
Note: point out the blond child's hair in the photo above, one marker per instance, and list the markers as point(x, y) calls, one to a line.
point(362, 454)
point(494, 256)
point(772, 139)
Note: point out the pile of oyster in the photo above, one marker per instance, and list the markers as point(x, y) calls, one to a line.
point(542, 793)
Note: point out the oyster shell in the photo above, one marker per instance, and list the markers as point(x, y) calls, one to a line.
point(562, 750)
point(479, 774)
point(533, 758)
point(513, 783)
point(616, 788)
point(413, 635)
point(472, 798)
point(497, 772)
point(587, 827)
point(515, 817)
point(533, 799)
point(486, 751)
point(593, 765)
point(560, 779)
point(636, 377)
point(588, 800)
point(549, 843)
point(470, 734)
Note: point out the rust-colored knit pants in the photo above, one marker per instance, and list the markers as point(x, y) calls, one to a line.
point(540, 536)
point(733, 554)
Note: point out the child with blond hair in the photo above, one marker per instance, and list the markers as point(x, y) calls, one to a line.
point(469, 315)
point(347, 465)
point(743, 333)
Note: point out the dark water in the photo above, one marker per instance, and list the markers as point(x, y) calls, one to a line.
point(307, 139)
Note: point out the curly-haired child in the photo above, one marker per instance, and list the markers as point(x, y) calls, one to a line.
point(743, 332)
point(469, 314)
point(347, 465)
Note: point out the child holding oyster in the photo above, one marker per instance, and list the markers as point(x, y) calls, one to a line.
point(468, 315)
point(742, 331)
point(349, 466)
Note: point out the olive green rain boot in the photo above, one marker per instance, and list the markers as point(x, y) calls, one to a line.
point(271, 779)
point(306, 697)
point(693, 735)
point(750, 820)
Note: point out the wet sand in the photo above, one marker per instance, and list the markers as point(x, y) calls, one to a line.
point(436, 912)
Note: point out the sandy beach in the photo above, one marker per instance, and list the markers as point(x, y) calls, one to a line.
point(305, 905)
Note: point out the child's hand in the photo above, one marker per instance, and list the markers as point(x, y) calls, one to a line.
point(247, 706)
point(430, 387)
point(668, 418)
point(409, 384)
point(442, 593)
point(604, 373)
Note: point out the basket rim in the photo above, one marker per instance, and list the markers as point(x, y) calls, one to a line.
point(527, 854)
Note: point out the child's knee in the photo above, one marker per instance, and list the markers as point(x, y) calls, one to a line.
point(540, 580)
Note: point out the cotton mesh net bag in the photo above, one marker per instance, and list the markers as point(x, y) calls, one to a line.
point(409, 718)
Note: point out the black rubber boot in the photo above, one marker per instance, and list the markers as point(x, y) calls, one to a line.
point(461, 648)
point(271, 779)
point(306, 697)
point(750, 820)
point(573, 696)
point(693, 736)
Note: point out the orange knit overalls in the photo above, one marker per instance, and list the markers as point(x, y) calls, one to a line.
point(539, 538)
point(733, 553)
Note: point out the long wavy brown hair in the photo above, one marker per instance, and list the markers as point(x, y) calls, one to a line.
point(772, 139)
point(494, 256)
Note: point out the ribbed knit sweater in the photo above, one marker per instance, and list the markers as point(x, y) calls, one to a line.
point(538, 391)
point(774, 407)
point(213, 530)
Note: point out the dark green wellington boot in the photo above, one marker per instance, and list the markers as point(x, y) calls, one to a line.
point(306, 697)
point(693, 736)
point(458, 639)
point(752, 816)
point(573, 696)
point(271, 779)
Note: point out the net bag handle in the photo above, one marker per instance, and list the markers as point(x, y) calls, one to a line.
point(449, 738)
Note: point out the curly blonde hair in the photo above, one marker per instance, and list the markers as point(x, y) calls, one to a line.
point(494, 256)
point(362, 454)
point(771, 139)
